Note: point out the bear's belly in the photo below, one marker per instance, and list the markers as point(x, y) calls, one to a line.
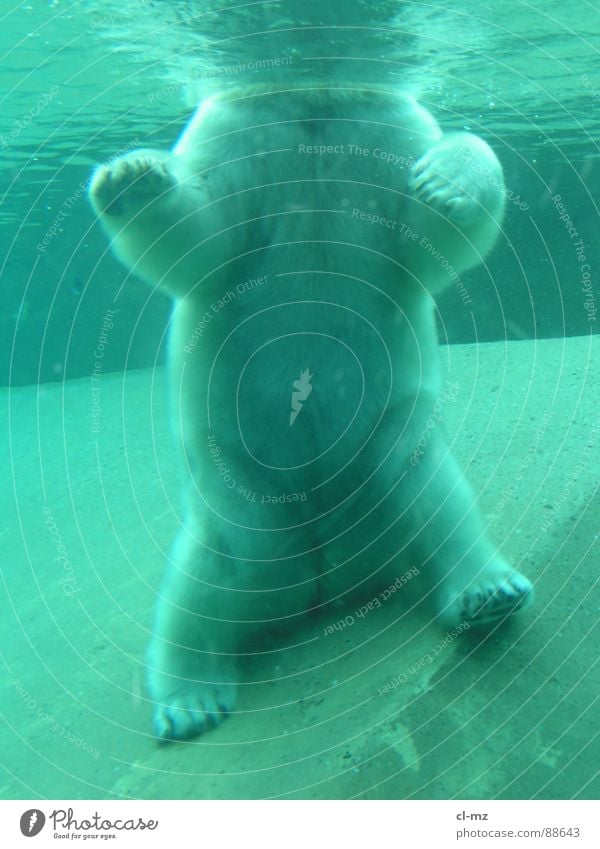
point(308, 385)
point(296, 375)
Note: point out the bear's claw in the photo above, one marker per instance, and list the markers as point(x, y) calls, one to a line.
point(491, 602)
point(132, 180)
point(192, 712)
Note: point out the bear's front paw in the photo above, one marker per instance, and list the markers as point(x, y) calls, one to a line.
point(131, 182)
point(460, 177)
point(192, 709)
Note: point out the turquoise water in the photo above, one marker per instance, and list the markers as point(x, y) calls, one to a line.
point(83, 80)
point(508, 718)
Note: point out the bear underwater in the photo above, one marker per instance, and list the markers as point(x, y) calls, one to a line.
point(302, 234)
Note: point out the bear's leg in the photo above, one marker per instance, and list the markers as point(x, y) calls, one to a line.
point(469, 579)
point(154, 217)
point(210, 609)
point(191, 671)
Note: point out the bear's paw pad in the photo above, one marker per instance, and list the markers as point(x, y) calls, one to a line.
point(442, 179)
point(131, 181)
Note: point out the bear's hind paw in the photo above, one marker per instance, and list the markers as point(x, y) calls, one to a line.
point(192, 711)
point(489, 602)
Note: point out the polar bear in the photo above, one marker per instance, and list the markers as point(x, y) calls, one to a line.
point(302, 234)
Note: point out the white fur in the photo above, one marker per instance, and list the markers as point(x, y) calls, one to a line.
point(273, 275)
